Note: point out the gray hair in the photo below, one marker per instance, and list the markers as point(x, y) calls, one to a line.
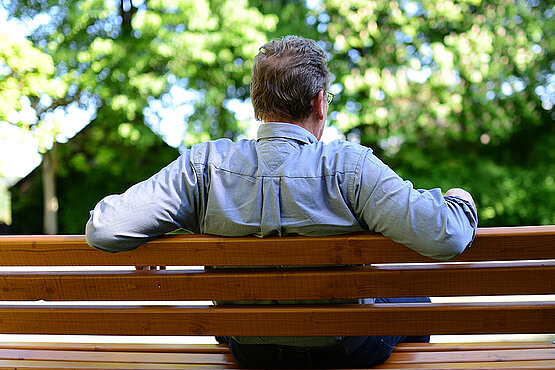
point(287, 74)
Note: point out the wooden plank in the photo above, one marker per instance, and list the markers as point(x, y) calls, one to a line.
point(541, 354)
point(38, 364)
point(445, 279)
point(498, 360)
point(118, 347)
point(472, 346)
point(471, 365)
point(502, 362)
point(223, 348)
point(530, 242)
point(141, 357)
point(375, 319)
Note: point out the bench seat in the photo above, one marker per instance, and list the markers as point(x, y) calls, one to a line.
point(489, 355)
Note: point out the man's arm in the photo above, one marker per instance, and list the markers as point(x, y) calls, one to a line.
point(424, 220)
point(163, 203)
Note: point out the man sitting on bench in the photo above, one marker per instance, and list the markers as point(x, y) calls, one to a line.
point(287, 182)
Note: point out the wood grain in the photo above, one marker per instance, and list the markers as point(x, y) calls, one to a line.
point(425, 355)
point(530, 242)
point(445, 279)
point(142, 357)
point(473, 346)
point(473, 356)
point(538, 364)
point(68, 364)
point(464, 277)
point(122, 347)
point(223, 348)
point(377, 319)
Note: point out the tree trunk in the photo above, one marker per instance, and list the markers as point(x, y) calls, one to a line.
point(126, 11)
point(50, 200)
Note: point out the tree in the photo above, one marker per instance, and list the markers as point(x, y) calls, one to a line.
point(88, 171)
point(28, 76)
point(447, 93)
point(119, 57)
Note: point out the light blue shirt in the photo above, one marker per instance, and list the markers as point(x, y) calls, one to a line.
point(286, 182)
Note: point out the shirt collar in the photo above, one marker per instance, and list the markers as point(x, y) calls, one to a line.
point(286, 131)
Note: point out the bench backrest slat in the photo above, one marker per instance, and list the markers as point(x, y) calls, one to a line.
point(351, 282)
point(522, 262)
point(380, 319)
point(531, 242)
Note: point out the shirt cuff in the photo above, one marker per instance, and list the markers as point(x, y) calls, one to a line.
point(468, 210)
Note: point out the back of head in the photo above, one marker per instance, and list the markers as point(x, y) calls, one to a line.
point(287, 74)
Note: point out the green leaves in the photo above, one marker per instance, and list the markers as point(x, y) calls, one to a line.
point(442, 89)
point(450, 93)
point(440, 64)
point(25, 71)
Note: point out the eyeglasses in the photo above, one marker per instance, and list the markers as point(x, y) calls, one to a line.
point(330, 97)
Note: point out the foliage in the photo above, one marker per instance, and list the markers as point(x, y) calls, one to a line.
point(449, 93)
point(123, 56)
point(445, 92)
point(89, 173)
point(118, 58)
point(26, 75)
point(438, 70)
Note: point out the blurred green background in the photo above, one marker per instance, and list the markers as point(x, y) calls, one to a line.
point(448, 93)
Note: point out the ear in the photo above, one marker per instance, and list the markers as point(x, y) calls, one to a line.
point(319, 105)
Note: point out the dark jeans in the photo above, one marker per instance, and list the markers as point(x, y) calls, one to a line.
point(351, 352)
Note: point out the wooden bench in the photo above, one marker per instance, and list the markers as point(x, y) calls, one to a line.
point(502, 261)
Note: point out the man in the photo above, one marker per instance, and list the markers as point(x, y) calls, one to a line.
point(287, 182)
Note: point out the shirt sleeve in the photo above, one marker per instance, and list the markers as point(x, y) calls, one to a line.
point(423, 220)
point(163, 203)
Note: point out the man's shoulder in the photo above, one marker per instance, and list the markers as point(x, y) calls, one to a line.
point(340, 144)
point(223, 143)
point(343, 149)
point(221, 148)
point(338, 156)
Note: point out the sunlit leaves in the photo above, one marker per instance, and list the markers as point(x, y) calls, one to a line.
point(443, 65)
point(24, 71)
point(427, 83)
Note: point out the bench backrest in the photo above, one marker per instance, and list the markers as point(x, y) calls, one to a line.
point(502, 261)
